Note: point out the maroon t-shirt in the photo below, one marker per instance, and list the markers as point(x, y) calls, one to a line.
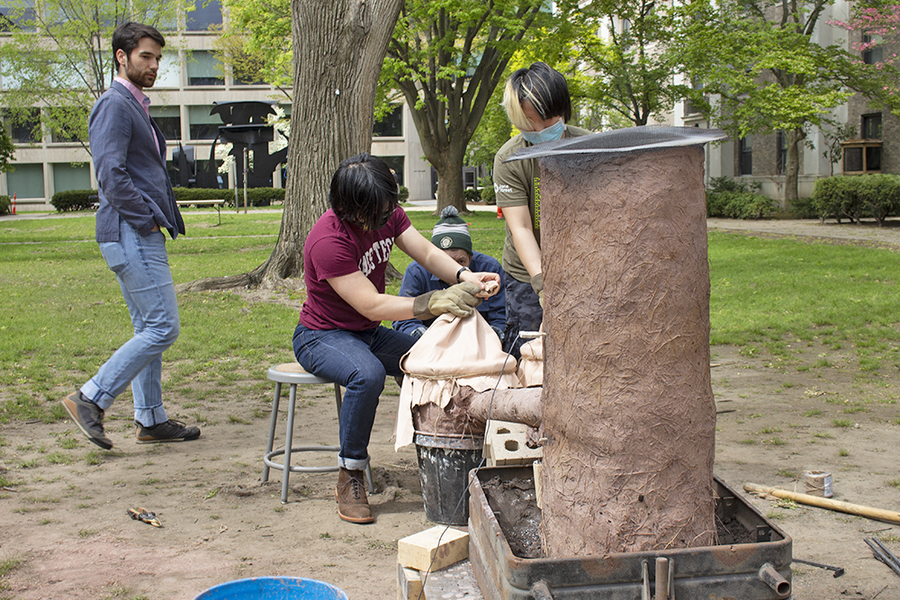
point(335, 248)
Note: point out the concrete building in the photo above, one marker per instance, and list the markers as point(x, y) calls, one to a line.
point(760, 159)
point(190, 80)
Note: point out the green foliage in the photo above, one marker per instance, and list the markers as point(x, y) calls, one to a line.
point(257, 42)
point(473, 195)
point(7, 151)
point(487, 190)
point(404, 194)
point(446, 58)
point(72, 200)
point(633, 65)
point(876, 196)
point(735, 199)
point(67, 69)
point(769, 70)
point(5, 203)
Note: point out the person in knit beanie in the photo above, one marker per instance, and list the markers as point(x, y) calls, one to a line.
point(451, 234)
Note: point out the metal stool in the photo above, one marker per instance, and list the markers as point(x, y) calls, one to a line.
point(293, 374)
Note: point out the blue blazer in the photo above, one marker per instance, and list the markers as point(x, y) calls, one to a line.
point(128, 150)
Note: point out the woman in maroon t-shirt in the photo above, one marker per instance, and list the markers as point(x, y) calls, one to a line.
point(339, 335)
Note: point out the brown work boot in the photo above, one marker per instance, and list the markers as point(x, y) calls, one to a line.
point(353, 505)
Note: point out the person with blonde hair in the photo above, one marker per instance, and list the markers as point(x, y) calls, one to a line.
point(537, 102)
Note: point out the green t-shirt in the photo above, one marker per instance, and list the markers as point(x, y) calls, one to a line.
point(518, 183)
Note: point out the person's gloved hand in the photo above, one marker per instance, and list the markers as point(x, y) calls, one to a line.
point(458, 299)
point(537, 284)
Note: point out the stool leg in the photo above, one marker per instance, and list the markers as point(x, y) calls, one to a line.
point(272, 422)
point(288, 441)
point(370, 485)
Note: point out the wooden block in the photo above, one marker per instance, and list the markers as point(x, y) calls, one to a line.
point(506, 442)
point(409, 583)
point(421, 551)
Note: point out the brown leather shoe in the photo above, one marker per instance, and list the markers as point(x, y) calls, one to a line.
point(353, 505)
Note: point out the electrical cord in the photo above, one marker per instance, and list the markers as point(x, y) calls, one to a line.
point(462, 497)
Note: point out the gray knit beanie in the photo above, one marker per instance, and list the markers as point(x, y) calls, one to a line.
point(451, 231)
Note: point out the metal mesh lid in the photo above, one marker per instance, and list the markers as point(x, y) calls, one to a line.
point(630, 139)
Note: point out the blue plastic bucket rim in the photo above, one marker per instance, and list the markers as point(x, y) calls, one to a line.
point(263, 587)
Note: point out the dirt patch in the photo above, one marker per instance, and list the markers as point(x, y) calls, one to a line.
point(65, 517)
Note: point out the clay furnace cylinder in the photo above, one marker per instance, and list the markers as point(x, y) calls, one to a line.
point(628, 409)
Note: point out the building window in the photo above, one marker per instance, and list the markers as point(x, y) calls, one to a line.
point(872, 55)
point(205, 14)
point(203, 126)
point(780, 152)
point(169, 120)
point(391, 124)
point(861, 156)
point(871, 127)
point(27, 181)
point(169, 75)
point(68, 177)
point(396, 164)
point(745, 156)
point(25, 127)
point(205, 69)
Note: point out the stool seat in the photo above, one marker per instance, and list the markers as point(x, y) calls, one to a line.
point(293, 375)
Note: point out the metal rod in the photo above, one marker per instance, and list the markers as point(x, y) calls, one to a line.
point(662, 579)
point(883, 557)
point(838, 571)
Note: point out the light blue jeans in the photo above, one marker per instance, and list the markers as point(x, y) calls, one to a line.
point(141, 265)
point(359, 361)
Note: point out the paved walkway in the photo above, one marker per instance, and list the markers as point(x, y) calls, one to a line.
point(868, 233)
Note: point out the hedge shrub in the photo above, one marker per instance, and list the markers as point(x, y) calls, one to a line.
point(72, 200)
point(403, 196)
point(5, 203)
point(733, 199)
point(472, 195)
point(855, 197)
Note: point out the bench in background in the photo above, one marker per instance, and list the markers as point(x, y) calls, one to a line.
point(217, 204)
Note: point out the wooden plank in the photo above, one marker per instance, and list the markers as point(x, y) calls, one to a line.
point(433, 549)
point(409, 584)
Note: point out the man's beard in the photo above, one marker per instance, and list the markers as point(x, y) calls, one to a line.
point(138, 78)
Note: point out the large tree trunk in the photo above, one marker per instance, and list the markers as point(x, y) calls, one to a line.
point(628, 410)
point(449, 167)
point(338, 48)
point(792, 166)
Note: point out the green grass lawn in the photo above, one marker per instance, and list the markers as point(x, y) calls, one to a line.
point(63, 313)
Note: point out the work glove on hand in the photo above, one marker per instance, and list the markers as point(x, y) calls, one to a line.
point(537, 284)
point(458, 299)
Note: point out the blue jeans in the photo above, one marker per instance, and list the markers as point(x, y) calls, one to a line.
point(523, 313)
point(142, 267)
point(359, 361)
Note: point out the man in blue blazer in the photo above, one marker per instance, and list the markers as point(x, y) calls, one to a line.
point(136, 204)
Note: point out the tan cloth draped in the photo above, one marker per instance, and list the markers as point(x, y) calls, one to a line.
point(453, 352)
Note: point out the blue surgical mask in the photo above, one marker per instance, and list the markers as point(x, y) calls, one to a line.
point(549, 134)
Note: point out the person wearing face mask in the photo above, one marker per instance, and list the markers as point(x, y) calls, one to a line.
point(537, 102)
point(340, 336)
